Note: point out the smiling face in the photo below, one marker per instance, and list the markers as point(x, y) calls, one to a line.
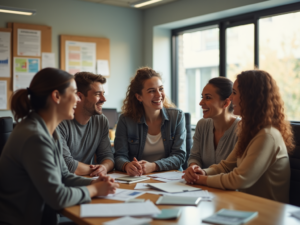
point(153, 94)
point(68, 102)
point(93, 102)
point(235, 99)
point(211, 104)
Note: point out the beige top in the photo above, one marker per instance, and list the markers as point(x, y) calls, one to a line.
point(263, 170)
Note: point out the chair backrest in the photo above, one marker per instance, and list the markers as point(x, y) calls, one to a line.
point(6, 127)
point(189, 138)
point(295, 167)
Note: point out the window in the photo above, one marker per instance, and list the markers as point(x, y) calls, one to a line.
point(197, 63)
point(267, 39)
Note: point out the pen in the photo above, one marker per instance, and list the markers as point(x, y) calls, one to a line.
point(136, 161)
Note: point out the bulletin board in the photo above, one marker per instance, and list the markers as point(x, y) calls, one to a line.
point(102, 48)
point(45, 46)
point(8, 79)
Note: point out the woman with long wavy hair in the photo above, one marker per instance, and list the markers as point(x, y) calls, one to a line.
point(150, 133)
point(259, 163)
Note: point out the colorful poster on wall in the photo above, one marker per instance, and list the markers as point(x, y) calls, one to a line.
point(29, 42)
point(5, 54)
point(80, 56)
point(24, 70)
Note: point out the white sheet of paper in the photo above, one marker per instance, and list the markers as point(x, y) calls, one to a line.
point(114, 175)
point(204, 194)
point(173, 187)
point(167, 180)
point(29, 42)
point(5, 60)
point(141, 186)
point(48, 60)
point(296, 214)
point(168, 175)
point(123, 195)
point(3, 94)
point(118, 209)
point(102, 67)
point(128, 220)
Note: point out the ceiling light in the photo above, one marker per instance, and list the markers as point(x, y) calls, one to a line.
point(144, 3)
point(26, 12)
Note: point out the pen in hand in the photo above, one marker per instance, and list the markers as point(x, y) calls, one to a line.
point(140, 168)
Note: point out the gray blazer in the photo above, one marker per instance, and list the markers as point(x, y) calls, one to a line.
point(35, 180)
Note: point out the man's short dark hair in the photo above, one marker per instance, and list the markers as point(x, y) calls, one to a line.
point(84, 79)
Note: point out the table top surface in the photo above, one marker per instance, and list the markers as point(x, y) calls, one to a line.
point(269, 212)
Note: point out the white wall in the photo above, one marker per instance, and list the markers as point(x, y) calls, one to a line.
point(123, 26)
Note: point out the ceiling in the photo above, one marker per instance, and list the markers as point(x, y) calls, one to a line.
point(127, 3)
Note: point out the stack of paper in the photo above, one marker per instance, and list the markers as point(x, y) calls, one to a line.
point(119, 209)
point(205, 195)
point(128, 220)
point(114, 175)
point(123, 195)
point(167, 176)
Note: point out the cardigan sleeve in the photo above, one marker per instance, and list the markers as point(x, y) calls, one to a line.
point(38, 158)
point(258, 158)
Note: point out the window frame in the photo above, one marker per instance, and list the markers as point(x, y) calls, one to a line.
point(223, 24)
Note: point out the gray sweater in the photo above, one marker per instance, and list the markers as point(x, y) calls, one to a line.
point(35, 180)
point(203, 151)
point(82, 142)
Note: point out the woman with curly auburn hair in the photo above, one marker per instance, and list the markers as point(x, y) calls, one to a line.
point(150, 134)
point(259, 163)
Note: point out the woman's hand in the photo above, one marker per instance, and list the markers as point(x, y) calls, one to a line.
point(134, 168)
point(148, 167)
point(193, 173)
point(103, 186)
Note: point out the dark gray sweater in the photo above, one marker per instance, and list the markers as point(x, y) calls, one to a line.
point(34, 176)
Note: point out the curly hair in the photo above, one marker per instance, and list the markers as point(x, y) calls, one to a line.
point(261, 106)
point(131, 106)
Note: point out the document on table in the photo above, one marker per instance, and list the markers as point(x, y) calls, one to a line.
point(123, 195)
point(173, 187)
point(114, 175)
point(167, 180)
point(205, 195)
point(129, 220)
point(168, 175)
point(145, 188)
point(119, 209)
point(296, 214)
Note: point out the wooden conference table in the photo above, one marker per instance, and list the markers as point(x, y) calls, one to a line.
point(269, 212)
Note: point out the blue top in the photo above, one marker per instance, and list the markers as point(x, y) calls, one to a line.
point(131, 137)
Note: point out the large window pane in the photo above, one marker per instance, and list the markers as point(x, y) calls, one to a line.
point(279, 54)
point(239, 49)
point(198, 61)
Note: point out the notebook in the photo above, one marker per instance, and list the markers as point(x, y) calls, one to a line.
point(130, 179)
point(230, 217)
point(173, 187)
point(178, 200)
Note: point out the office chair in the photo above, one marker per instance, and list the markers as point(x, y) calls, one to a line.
point(6, 127)
point(189, 138)
point(295, 167)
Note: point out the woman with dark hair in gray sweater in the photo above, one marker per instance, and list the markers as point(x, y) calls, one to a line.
point(35, 181)
point(215, 134)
